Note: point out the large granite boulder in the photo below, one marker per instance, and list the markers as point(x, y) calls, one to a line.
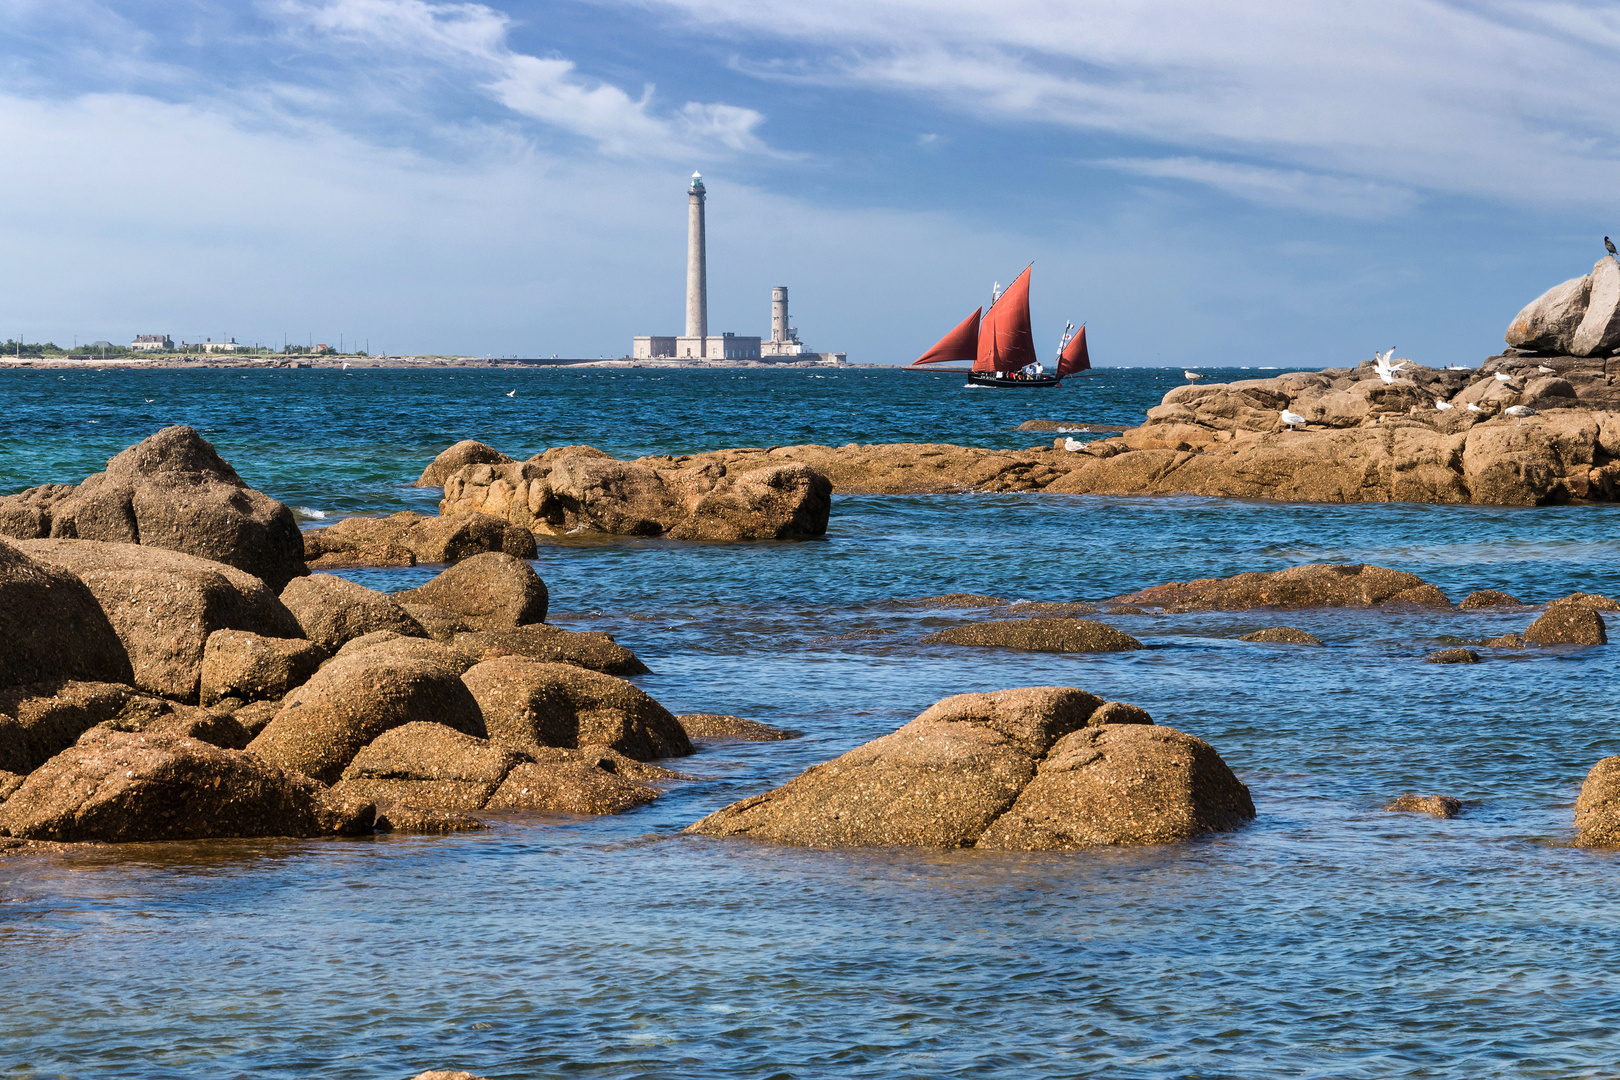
point(355, 698)
point(39, 721)
point(251, 667)
point(1599, 330)
point(492, 591)
point(1547, 323)
point(174, 491)
point(1597, 809)
point(723, 727)
point(52, 626)
point(428, 765)
point(126, 786)
point(538, 641)
point(1040, 635)
point(527, 705)
point(164, 604)
point(333, 611)
point(464, 453)
point(1316, 585)
point(405, 538)
point(1044, 755)
point(1567, 624)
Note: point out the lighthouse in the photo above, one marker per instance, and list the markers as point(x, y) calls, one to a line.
point(697, 265)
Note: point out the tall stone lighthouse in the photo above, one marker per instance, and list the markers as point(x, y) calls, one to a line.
point(697, 269)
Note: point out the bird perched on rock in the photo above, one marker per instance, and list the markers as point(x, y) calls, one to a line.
point(1386, 370)
point(1545, 370)
point(1291, 418)
point(1610, 245)
point(1502, 376)
point(1519, 411)
point(1192, 376)
point(1474, 408)
point(1442, 406)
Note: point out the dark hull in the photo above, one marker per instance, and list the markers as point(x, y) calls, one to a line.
point(982, 378)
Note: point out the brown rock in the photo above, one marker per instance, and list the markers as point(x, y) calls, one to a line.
point(1599, 329)
point(1282, 635)
point(1124, 784)
point(1124, 609)
point(537, 641)
point(353, 699)
point(124, 786)
point(383, 541)
point(1441, 806)
point(1505, 641)
point(1118, 712)
point(9, 782)
point(569, 787)
point(1040, 635)
point(1593, 601)
point(333, 611)
point(527, 705)
point(249, 667)
point(1317, 585)
point(163, 604)
point(951, 600)
point(400, 818)
point(52, 626)
point(714, 727)
point(464, 453)
point(1452, 656)
point(1051, 611)
point(1549, 321)
point(1567, 624)
point(39, 721)
point(428, 765)
point(489, 592)
point(1597, 809)
point(1488, 598)
point(254, 717)
point(172, 491)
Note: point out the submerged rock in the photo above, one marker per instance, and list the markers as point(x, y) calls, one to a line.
point(1040, 635)
point(1317, 585)
point(1597, 809)
point(951, 600)
point(1452, 656)
point(1441, 806)
point(1567, 624)
point(52, 626)
point(719, 726)
point(1282, 635)
point(1488, 598)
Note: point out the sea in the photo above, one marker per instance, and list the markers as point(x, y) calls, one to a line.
point(1328, 938)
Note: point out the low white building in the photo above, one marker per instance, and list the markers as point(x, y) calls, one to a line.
point(210, 345)
point(152, 341)
point(723, 347)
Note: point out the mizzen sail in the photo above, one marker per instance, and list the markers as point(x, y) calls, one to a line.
point(1005, 340)
point(1075, 355)
point(961, 344)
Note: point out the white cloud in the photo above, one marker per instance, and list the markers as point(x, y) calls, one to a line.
point(1277, 187)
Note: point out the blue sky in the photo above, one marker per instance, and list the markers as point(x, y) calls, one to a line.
point(1245, 183)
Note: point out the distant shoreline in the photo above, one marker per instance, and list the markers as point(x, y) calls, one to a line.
point(280, 362)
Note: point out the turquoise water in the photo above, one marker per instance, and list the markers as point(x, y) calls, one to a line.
point(1326, 939)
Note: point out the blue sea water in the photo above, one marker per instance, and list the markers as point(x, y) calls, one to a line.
point(1328, 938)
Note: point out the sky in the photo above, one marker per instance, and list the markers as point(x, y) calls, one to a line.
point(1247, 182)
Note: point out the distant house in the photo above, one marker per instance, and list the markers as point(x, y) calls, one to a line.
point(322, 350)
point(211, 345)
point(152, 341)
point(101, 345)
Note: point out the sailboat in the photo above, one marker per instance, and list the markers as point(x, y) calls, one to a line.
point(999, 345)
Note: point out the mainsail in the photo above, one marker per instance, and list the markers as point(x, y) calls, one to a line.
point(960, 344)
point(1075, 356)
point(1005, 340)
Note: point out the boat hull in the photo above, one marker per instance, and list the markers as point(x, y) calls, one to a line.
point(986, 378)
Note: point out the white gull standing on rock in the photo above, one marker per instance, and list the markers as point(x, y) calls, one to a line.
point(1192, 376)
point(1442, 406)
point(1291, 418)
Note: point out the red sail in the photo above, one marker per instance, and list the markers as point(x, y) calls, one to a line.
point(1075, 357)
point(1005, 341)
point(960, 344)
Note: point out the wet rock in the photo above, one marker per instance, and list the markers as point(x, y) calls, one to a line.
point(715, 727)
point(1452, 656)
point(355, 698)
point(1122, 784)
point(1317, 585)
point(1441, 806)
point(1051, 611)
point(464, 453)
point(1040, 635)
point(401, 818)
point(164, 604)
point(1124, 609)
point(1282, 635)
point(125, 786)
point(249, 667)
point(1549, 321)
point(428, 765)
point(406, 538)
point(1505, 641)
point(1592, 601)
point(1488, 598)
point(52, 626)
point(1567, 624)
point(549, 644)
point(951, 600)
point(173, 491)
point(527, 705)
point(570, 786)
point(1597, 809)
point(1599, 329)
point(492, 591)
point(332, 611)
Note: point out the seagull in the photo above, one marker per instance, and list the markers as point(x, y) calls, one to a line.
point(1291, 418)
point(1520, 411)
point(1442, 406)
point(1502, 376)
point(1545, 370)
point(1610, 245)
point(1192, 376)
point(511, 393)
point(1386, 370)
point(1073, 445)
point(149, 401)
point(1474, 408)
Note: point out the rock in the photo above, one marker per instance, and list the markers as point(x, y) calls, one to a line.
point(249, 667)
point(528, 705)
point(353, 699)
point(951, 600)
point(1593, 601)
point(537, 641)
point(1567, 624)
point(1118, 712)
point(1040, 635)
point(373, 639)
point(464, 453)
point(570, 786)
point(1122, 784)
point(1441, 806)
point(1597, 808)
point(1452, 656)
point(1549, 393)
point(428, 765)
point(1283, 635)
point(570, 491)
point(1599, 329)
point(164, 604)
point(172, 491)
point(405, 538)
point(714, 727)
point(1505, 641)
point(52, 626)
point(333, 611)
point(488, 592)
point(1548, 323)
point(1124, 609)
point(1316, 585)
point(1051, 611)
point(1488, 598)
point(401, 818)
point(39, 721)
point(124, 786)
point(9, 782)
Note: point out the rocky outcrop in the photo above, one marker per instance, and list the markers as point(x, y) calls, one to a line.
point(52, 626)
point(1020, 769)
point(251, 667)
point(1282, 635)
point(1316, 585)
point(125, 786)
point(1547, 323)
point(172, 491)
point(485, 592)
point(1039, 635)
point(527, 705)
point(1599, 329)
point(1452, 656)
point(404, 539)
point(549, 644)
point(163, 605)
point(579, 491)
point(721, 727)
point(1597, 809)
point(1440, 806)
point(464, 453)
point(1488, 598)
point(1567, 624)
point(1594, 601)
point(334, 611)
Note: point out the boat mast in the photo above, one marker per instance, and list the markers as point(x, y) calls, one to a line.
point(1068, 335)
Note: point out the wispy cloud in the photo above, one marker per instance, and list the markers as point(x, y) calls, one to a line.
point(1292, 188)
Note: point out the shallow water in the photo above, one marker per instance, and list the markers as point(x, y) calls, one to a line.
point(1325, 939)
